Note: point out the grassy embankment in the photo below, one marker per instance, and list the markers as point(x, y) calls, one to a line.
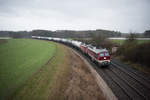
point(19, 59)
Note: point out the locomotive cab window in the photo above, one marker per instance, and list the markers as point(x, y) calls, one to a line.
point(106, 54)
point(101, 54)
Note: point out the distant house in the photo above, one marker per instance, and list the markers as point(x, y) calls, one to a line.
point(115, 48)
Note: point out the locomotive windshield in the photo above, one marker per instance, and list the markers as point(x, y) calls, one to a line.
point(101, 54)
point(106, 54)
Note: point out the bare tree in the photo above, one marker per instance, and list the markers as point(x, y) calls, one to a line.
point(131, 37)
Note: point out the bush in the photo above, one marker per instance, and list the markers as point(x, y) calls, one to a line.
point(144, 53)
point(131, 51)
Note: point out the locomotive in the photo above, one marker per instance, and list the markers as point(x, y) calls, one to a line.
point(100, 56)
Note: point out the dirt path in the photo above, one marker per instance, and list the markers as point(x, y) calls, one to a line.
point(81, 83)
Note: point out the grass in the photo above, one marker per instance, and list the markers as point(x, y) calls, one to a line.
point(49, 82)
point(70, 38)
point(122, 41)
point(19, 59)
point(118, 41)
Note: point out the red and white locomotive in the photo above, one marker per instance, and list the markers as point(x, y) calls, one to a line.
point(101, 56)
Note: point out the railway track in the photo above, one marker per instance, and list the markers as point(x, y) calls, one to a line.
point(125, 82)
point(137, 81)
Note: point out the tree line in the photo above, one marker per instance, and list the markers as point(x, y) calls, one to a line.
point(59, 33)
point(69, 33)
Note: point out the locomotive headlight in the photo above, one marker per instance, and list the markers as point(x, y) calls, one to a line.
point(104, 57)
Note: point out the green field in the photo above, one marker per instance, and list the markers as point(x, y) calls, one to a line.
point(122, 41)
point(19, 60)
point(48, 83)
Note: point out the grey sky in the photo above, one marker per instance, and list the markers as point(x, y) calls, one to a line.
point(118, 15)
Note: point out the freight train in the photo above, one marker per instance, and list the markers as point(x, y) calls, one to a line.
point(99, 56)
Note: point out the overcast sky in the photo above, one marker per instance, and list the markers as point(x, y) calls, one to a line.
point(118, 15)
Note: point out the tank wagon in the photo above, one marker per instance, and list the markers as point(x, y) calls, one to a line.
point(100, 56)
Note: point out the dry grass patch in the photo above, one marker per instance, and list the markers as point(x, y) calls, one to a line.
point(82, 85)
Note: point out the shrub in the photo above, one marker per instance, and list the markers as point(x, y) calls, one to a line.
point(144, 53)
point(131, 51)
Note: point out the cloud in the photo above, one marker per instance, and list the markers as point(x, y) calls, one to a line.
point(123, 15)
